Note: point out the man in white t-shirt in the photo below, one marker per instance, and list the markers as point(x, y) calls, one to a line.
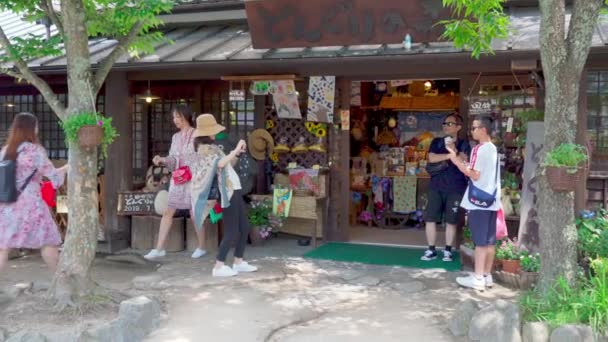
point(484, 173)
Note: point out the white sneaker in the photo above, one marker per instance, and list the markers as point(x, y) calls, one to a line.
point(447, 256)
point(429, 255)
point(472, 282)
point(155, 253)
point(198, 253)
point(489, 280)
point(244, 267)
point(224, 272)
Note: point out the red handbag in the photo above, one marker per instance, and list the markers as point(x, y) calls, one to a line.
point(48, 194)
point(182, 175)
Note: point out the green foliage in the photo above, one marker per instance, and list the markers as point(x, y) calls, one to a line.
point(566, 155)
point(584, 303)
point(72, 125)
point(593, 235)
point(104, 18)
point(530, 115)
point(115, 18)
point(478, 23)
point(507, 250)
point(529, 262)
point(510, 181)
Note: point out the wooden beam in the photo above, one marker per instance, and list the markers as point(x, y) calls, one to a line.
point(260, 78)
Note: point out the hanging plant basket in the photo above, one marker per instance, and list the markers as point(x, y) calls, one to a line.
point(563, 178)
point(90, 136)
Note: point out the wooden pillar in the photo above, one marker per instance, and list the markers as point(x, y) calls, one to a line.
point(259, 110)
point(338, 224)
point(580, 194)
point(118, 165)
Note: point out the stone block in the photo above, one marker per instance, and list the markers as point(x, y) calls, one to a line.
point(498, 322)
point(461, 320)
point(573, 333)
point(536, 332)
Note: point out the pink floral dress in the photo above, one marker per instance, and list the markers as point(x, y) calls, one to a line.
point(28, 223)
point(182, 145)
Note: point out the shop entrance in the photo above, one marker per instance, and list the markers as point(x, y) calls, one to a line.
point(392, 124)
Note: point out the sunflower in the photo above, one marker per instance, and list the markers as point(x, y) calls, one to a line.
point(274, 157)
point(321, 132)
point(269, 124)
point(309, 126)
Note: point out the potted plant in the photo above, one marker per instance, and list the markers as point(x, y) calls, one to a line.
point(263, 222)
point(90, 130)
point(530, 266)
point(565, 166)
point(508, 253)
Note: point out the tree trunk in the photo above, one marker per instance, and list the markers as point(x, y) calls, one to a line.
point(72, 279)
point(564, 54)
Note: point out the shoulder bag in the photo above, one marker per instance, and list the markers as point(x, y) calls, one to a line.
point(480, 198)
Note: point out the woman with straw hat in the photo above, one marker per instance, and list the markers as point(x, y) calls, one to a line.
point(215, 181)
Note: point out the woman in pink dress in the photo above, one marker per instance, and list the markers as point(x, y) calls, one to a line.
point(27, 223)
point(182, 145)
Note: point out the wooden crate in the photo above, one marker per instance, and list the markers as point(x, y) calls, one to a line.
point(211, 237)
point(144, 233)
point(301, 215)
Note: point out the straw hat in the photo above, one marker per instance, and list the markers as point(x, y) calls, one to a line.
point(259, 141)
point(207, 126)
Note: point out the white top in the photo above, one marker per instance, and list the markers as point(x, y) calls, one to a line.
point(484, 158)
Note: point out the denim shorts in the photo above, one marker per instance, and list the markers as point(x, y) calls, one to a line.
point(482, 224)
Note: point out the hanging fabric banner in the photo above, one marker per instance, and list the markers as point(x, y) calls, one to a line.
point(281, 202)
point(321, 95)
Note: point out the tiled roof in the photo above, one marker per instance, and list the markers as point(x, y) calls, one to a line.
point(232, 43)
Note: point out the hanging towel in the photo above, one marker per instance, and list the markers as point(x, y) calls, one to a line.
point(404, 194)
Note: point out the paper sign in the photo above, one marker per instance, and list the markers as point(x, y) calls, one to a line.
point(345, 119)
point(510, 125)
point(237, 95)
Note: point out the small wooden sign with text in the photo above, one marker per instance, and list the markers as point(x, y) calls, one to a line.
point(136, 203)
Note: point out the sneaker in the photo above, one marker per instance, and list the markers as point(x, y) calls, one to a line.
point(224, 272)
point(198, 253)
point(472, 282)
point(447, 256)
point(489, 280)
point(429, 255)
point(244, 267)
point(155, 253)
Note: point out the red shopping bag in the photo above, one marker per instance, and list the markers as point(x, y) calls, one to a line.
point(48, 194)
point(501, 225)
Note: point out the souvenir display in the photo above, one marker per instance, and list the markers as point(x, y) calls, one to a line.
point(300, 146)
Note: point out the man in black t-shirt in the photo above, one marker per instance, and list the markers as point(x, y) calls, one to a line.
point(446, 188)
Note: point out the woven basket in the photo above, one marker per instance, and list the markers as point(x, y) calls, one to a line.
point(90, 136)
point(303, 193)
point(561, 180)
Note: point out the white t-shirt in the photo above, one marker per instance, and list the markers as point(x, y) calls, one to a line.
point(484, 158)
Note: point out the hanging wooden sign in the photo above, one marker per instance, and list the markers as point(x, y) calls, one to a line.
point(295, 23)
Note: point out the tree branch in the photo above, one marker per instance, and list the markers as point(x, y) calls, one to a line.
point(585, 15)
point(105, 65)
point(47, 7)
point(11, 73)
point(27, 74)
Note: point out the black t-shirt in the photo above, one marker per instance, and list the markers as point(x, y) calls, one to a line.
point(450, 179)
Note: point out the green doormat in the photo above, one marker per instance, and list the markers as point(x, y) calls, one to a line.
point(381, 255)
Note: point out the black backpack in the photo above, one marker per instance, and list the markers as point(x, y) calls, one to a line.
point(8, 181)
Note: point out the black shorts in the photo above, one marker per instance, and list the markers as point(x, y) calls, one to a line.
point(482, 224)
point(443, 206)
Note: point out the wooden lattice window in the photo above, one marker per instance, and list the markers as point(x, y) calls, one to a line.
point(597, 114)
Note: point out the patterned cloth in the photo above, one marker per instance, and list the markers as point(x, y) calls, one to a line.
point(404, 194)
point(182, 144)
point(28, 223)
point(204, 168)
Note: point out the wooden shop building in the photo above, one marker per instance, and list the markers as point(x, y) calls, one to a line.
point(394, 83)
